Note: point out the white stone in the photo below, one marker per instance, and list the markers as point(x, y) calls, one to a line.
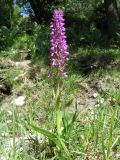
point(118, 155)
point(2, 158)
point(101, 100)
point(19, 101)
point(4, 134)
point(9, 121)
point(95, 95)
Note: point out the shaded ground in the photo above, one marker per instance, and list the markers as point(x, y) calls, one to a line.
point(94, 60)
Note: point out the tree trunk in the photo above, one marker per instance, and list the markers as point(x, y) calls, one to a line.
point(37, 10)
point(40, 12)
point(112, 16)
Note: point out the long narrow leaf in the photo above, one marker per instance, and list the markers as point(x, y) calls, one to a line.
point(53, 137)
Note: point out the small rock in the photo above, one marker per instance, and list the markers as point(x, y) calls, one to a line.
point(9, 121)
point(20, 101)
point(95, 95)
point(2, 158)
point(4, 134)
point(101, 101)
point(118, 155)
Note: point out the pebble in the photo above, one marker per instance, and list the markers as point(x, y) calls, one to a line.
point(95, 95)
point(19, 101)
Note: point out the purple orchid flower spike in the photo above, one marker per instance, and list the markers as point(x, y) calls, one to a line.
point(59, 47)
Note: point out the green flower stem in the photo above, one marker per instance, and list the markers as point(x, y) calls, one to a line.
point(58, 121)
point(57, 108)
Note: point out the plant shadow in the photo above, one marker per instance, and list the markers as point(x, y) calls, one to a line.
point(87, 63)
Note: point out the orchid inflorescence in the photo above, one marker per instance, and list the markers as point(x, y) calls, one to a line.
point(59, 47)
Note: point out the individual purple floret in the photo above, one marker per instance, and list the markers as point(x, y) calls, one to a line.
point(59, 47)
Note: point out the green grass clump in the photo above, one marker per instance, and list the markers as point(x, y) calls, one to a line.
point(87, 134)
point(10, 76)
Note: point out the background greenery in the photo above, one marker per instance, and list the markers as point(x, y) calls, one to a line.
point(92, 87)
